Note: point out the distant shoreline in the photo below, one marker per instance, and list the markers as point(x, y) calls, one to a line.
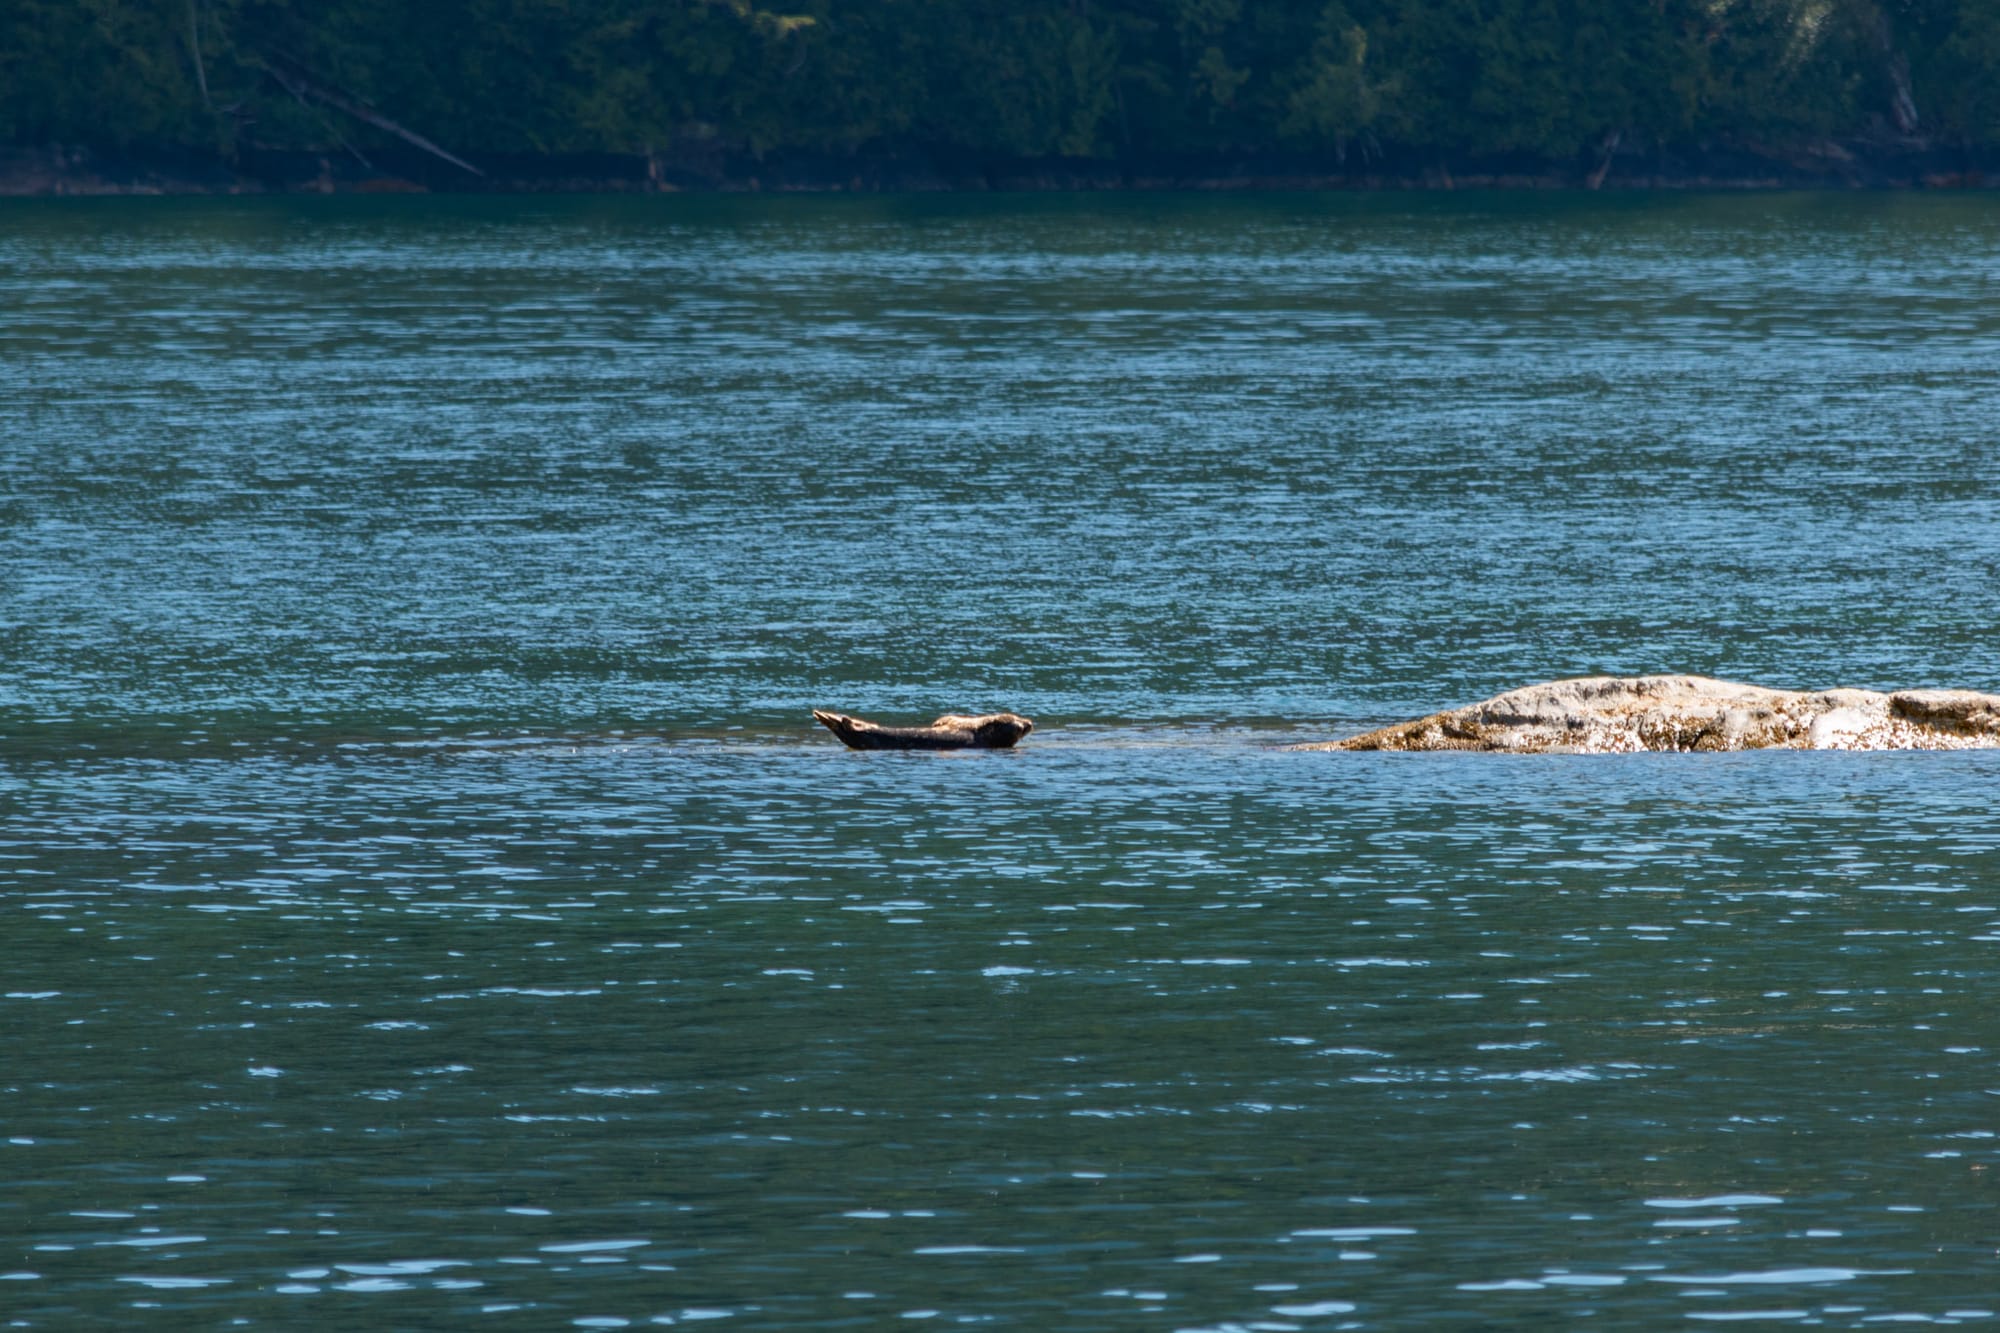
point(1884, 165)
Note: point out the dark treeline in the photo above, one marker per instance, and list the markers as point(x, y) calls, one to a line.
point(1023, 78)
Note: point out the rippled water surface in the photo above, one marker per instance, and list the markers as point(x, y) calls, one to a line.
point(428, 904)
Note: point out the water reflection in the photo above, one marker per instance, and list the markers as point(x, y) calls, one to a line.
point(1128, 1031)
point(428, 901)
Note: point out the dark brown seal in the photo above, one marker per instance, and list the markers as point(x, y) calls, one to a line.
point(993, 731)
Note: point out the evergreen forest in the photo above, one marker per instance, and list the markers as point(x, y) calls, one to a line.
point(1079, 79)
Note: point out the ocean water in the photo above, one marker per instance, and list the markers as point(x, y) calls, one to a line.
point(429, 904)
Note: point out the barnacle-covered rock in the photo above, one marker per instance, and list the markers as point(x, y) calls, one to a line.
point(1620, 714)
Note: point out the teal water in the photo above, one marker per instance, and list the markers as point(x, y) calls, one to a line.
point(428, 903)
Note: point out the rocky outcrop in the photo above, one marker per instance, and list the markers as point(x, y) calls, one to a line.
point(953, 731)
point(1621, 714)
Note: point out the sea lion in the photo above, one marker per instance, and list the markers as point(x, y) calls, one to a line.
point(992, 731)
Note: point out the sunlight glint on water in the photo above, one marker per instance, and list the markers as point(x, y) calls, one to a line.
point(429, 902)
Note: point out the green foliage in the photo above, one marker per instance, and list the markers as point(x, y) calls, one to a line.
point(115, 67)
point(1077, 78)
point(1955, 55)
point(1025, 79)
point(1336, 96)
point(1781, 66)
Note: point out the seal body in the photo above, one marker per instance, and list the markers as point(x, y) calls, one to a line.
point(953, 731)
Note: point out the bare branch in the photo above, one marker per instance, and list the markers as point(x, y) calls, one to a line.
point(303, 85)
point(194, 49)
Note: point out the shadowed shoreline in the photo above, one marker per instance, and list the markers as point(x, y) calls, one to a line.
point(1885, 163)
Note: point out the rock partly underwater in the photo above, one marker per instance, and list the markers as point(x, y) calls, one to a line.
point(1626, 714)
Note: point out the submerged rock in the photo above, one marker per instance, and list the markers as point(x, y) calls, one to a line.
point(1625, 714)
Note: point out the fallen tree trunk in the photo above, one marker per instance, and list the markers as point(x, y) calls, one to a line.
point(301, 84)
point(1902, 99)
